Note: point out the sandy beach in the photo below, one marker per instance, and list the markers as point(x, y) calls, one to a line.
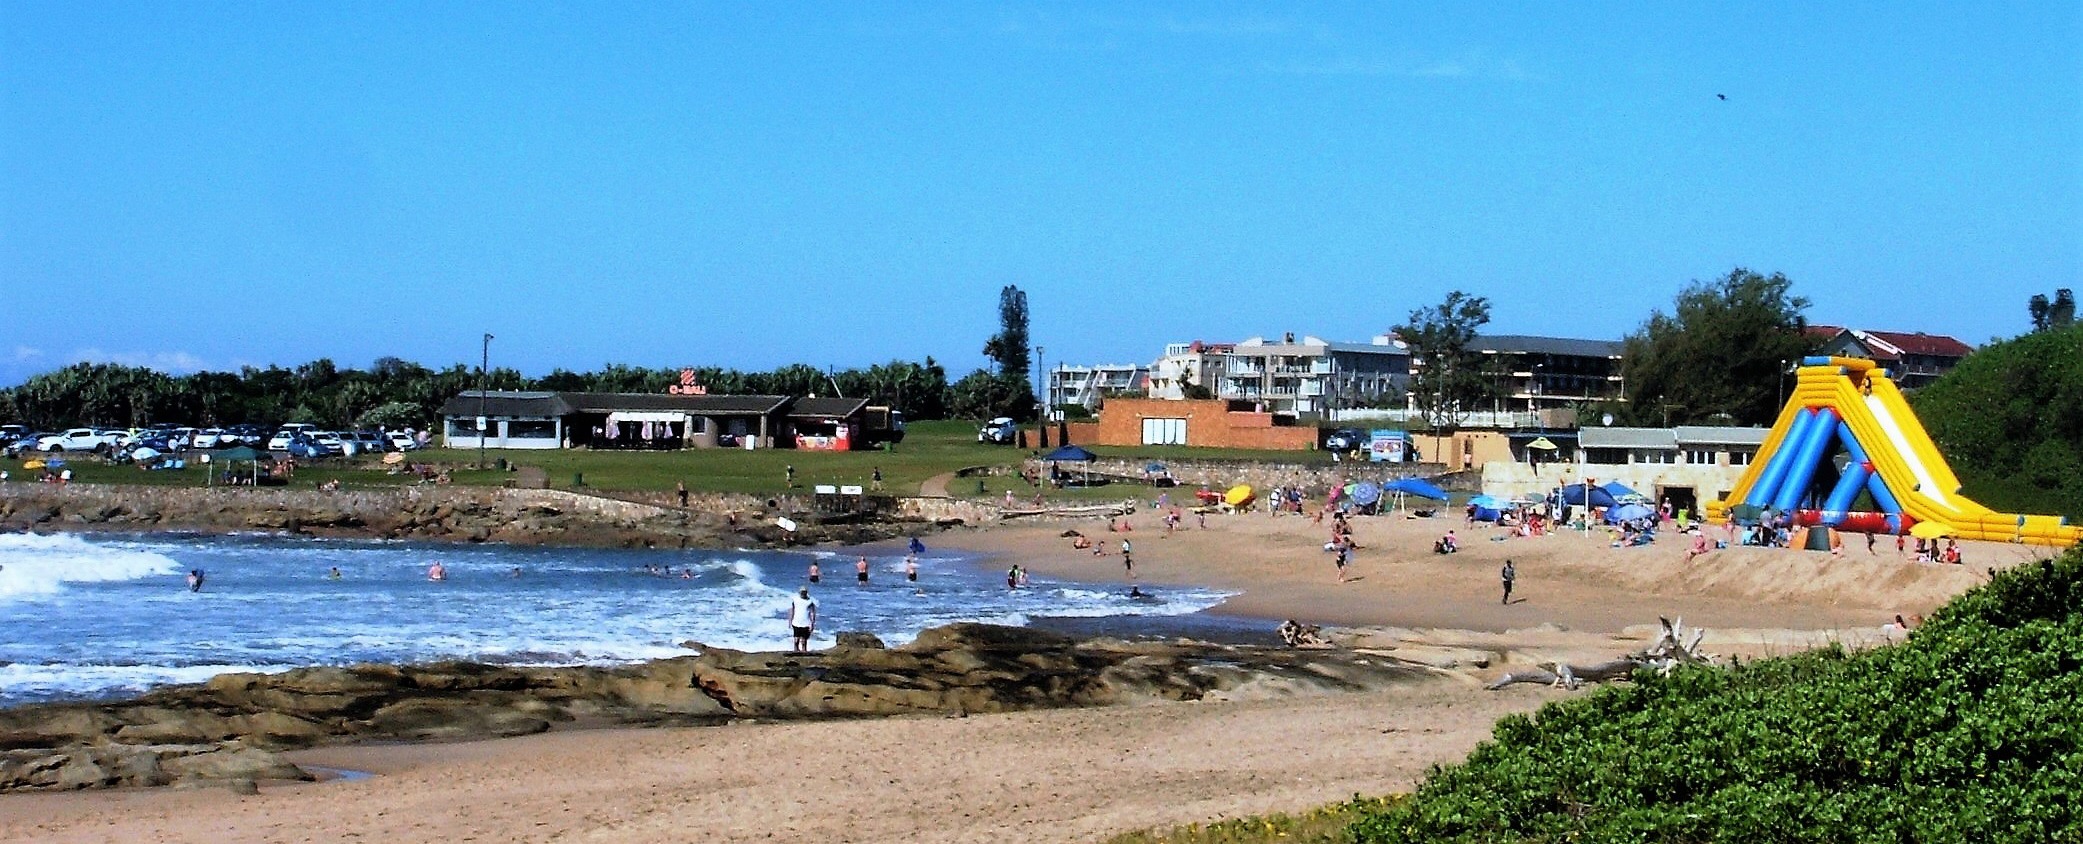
point(1067, 775)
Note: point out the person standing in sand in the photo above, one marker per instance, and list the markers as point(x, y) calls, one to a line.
point(802, 618)
point(680, 489)
point(1345, 551)
point(1128, 557)
point(1508, 574)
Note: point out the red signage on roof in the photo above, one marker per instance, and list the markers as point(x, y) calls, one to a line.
point(687, 385)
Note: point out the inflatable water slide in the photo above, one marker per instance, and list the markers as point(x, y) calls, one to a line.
point(1849, 453)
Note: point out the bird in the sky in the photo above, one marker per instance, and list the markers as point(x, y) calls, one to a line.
point(1721, 96)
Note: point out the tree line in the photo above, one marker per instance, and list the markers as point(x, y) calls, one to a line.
point(395, 393)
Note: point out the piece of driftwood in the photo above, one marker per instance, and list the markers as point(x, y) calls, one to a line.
point(1299, 635)
point(1670, 650)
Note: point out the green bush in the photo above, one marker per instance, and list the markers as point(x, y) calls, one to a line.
point(2009, 419)
point(1971, 731)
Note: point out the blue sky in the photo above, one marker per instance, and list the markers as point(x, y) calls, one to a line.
point(213, 185)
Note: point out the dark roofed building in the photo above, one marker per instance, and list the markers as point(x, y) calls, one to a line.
point(515, 419)
point(1553, 372)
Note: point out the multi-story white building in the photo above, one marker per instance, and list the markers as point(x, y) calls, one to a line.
point(1087, 385)
point(1311, 377)
point(1195, 364)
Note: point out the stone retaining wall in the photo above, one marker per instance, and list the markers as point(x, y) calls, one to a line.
point(1223, 474)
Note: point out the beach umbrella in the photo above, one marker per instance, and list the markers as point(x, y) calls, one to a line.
point(1543, 444)
point(1238, 495)
point(1366, 493)
point(1486, 502)
point(1930, 530)
point(1628, 513)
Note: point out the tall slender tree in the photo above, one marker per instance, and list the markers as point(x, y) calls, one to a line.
point(1448, 379)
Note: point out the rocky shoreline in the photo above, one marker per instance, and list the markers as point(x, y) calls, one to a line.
point(232, 729)
point(443, 514)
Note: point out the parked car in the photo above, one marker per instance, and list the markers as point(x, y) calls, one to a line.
point(1002, 431)
point(335, 445)
point(208, 438)
point(402, 441)
point(306, 446)
point(77, 439)
point(373, 442)
point(27, 442)
point(245, 435)
point(1346, 439)
point(10, 433)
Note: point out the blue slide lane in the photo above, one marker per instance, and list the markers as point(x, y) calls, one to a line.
point(1760, 493)
point(1807, 453)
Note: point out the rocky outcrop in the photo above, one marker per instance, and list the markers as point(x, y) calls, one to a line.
point(517, 516)
point(228, 728)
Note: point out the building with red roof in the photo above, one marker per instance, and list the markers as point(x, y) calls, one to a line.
point(1912, 359)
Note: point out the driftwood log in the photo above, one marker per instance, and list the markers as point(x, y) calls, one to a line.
point(1299, 635)
point(1670, 650)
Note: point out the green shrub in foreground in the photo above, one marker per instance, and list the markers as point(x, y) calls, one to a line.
point(1972, 731)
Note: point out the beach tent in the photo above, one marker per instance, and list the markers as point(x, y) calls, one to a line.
point(1416, 486)
point(1073, 454)
point(1487, 508)
point(242, 454)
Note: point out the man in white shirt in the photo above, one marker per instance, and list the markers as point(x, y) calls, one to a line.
point(802, 617)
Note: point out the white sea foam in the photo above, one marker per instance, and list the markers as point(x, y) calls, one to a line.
point(39, 565)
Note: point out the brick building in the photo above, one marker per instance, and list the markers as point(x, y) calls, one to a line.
point(1213, 423)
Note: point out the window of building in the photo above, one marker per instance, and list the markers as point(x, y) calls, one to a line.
point(1739, 458)
point(1653, 455)
point(533, 429)
point(1699, 457)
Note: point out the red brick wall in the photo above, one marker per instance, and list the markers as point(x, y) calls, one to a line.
point(1208, 423)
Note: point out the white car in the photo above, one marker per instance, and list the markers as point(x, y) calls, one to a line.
point(280, 441)
point(209, 438)
point(1001, 430)
point(77, 439)
point(401, 441)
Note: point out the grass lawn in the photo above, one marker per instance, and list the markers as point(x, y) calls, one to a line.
point(929, 449)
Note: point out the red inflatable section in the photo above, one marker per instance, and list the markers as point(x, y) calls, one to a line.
point(1851, 522)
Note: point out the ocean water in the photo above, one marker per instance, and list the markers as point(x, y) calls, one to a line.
point(103, 616)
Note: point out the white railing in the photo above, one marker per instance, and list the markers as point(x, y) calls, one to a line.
point(1407, 416)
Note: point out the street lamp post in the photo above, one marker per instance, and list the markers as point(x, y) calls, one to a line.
point(483, 365)
point(1041, 391)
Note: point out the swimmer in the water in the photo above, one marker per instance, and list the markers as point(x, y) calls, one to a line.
point(334, 574)
point(437, 572)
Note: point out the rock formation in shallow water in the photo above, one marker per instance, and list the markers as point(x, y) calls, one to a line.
point(230, 727)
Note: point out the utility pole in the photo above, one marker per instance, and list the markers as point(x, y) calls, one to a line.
point(484, 364)
point(1041, 391)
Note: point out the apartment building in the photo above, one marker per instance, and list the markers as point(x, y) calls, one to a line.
point(1195, 364)
point(1310, 377)
point(1087, 385)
